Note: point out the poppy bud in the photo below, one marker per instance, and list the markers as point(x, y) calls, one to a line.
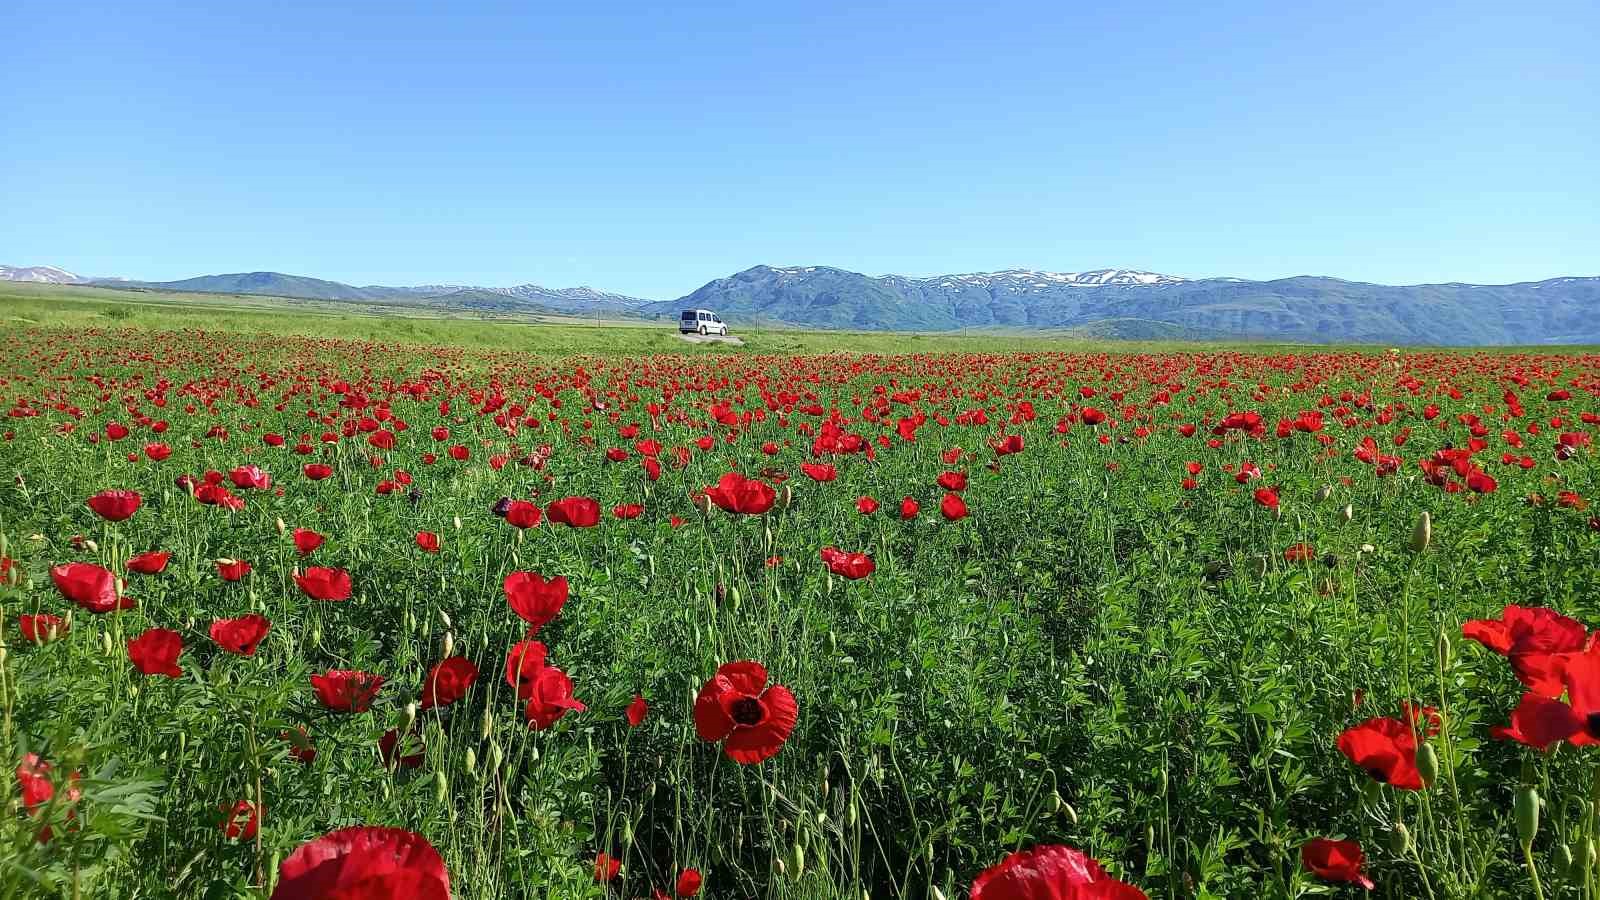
point(850, 813)
point(786, 497)
point(92, 546)
point(1525, 809)
point(1056, 802)
point(497, 756)
point(1399, 839)
point(1347, 513)
point(1071, 813)
point(457, 520)
point(445, 618)
point(1588, 854)
point(1324, 492)
point(316, 635)
point(777, 863)
point(702, 502)
point(449, 644)
point(1428, 764)
point(1444, 648)
point(485, 728)
point(281, 527)
point(1564, 859)
point(936, 893)
point(441, 788)
point(1422, 534)
point(471, 761)
point(105, 643)
point(409, 718)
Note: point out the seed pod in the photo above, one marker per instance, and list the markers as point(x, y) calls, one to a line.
point(1422, 534)
point(1564, 861)
point(1428, 764)
point(1400, 839)
point(1525, 808)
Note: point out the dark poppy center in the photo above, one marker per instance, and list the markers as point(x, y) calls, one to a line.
point(746, 711)
point(1378, 775)
point(1591, 724)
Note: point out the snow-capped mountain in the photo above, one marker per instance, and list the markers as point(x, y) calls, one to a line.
point(1025, 279)
point(40, 275)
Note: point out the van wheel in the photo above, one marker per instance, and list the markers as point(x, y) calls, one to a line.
point(702, 331)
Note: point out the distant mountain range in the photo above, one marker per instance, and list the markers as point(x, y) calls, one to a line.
point(1109, 303)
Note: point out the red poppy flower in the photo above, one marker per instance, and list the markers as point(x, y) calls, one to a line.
point(38, 788)
point(637, 710)
point(534, 599)
point(909, 508)
point(627, 510)
point(523, 514)
point(1300, 553)
point(819, 471)
point(364, 863)
point(1050, 872)
point(306, 540)
point(849, 565)
point(41, 628)
point(1536, 641)
point(952, 507)
point(90, 586)
point(953, 481)
point(1267, 496)
point(322, 583)
point(115, 506)
point(1011, 443)
point(346, 690)
point(448, 682)
point(428, 541)
point(574, 512)
point(151, 563)
point(232, 569)
point(300, 747)
point(1385, 749)
point(241, 822)
point(317, 471)
point(523, 663)
point(411, 750)
point(689, 882)
point(749, 717)
point(549, 696)
point(240, 636)
point(250, 477)
point(737, 494)
point(1333, 860)
point(156, 652)
point(606, 868)
point(866, 506)
point(1538, 722)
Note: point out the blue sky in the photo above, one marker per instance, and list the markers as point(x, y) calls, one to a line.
point(648, 148)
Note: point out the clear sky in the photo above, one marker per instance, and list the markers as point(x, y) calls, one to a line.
point(647, 148)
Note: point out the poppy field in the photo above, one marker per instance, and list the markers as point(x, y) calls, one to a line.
point(300, 617)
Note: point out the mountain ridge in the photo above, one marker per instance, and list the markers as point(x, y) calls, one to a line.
point(1113, 303)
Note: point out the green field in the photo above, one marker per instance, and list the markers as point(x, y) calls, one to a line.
point(1166, 604)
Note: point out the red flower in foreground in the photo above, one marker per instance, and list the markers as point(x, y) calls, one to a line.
point(38, 789)
point(114, 506)
point(152, 563)
point(1539, 721)
point(549, 696)
point(522, 514)
point(627, 510)
point(606, 868)
point(241, 822)
point(1536, 641)
point(1386, 750)
point(849, 565)
point(1050, 872)
point(320, 583)
point(738, 708)
point(317, 471)
point(346, 690)
point(406, 752)
point(156, 652)
point(428, 541)
point(737, 494)
point(448, 682)
point(534, 599)
point(364, 863)
point(1267, 496)
point(232, 569)
point(909, 508)
point(637, 710)
point(41, 628)
point(866, 506)
point(90, 586)
point(240, 636)
point(1333, 860)
point(689, 882)
point(574, 512)
point(523, 663)
point(819, 471)
point(306, 540)
point(952, 507)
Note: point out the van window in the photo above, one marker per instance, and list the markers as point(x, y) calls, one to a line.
point(688, 315)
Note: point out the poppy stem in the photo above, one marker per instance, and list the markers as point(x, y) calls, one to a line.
point(1533, 871)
